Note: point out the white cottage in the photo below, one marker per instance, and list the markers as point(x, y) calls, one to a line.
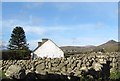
point(47, 48)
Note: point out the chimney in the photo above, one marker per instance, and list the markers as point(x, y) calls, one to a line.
point(39, 43)
point(44, 40)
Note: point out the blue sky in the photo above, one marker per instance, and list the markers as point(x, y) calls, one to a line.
point(75, 23)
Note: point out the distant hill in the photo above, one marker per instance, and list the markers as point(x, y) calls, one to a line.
point(110, 46)
point(77, 48)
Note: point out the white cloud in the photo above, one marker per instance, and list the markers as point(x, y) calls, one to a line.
point(3, 44)
point(33, 5)
point(34, 30)
point(27, 25)
point(11, 23)
point(42, 30)
point(56, 33)
point(30, 20)
point(0, 43)
point(87, 27)
point(31, 28)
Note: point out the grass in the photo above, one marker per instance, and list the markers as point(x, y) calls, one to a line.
point(2, 74)
point(115, 75)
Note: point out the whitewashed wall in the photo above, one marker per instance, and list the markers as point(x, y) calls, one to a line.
point(50, 50)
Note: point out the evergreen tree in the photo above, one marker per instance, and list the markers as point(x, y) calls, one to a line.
point(18, 40)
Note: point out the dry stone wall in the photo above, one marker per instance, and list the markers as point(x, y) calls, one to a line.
point(73, 64)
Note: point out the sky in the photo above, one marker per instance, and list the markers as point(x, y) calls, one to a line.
point(66, 23)
point(60, 0)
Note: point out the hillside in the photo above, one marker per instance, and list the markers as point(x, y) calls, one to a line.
point(110, 46)
point(77, 48)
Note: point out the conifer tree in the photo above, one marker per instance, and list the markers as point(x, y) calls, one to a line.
point(18, 40)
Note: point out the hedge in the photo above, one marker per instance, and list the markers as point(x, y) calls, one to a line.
point(15, 55)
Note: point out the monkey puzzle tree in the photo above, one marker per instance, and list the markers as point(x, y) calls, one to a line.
point(18, 40)
point(18, 47)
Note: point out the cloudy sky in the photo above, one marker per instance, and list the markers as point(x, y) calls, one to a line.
point(78, 23)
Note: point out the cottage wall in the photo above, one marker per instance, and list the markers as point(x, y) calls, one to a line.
point(49, 49)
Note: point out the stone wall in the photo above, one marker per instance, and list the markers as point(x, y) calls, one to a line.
point(73, 64)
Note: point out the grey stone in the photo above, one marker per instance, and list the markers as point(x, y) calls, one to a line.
point(61, 65)
point(78, 73)
point(15, 71)
point(97, 66)
point(69, 70)
point(54, 65)
point(114, 60)
point(68, 65)
point(87, 64)
point(84, 68)
point(63, 70)
point(55, 69)
point(49, 65)
point(73, 66)
point(40, 67)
